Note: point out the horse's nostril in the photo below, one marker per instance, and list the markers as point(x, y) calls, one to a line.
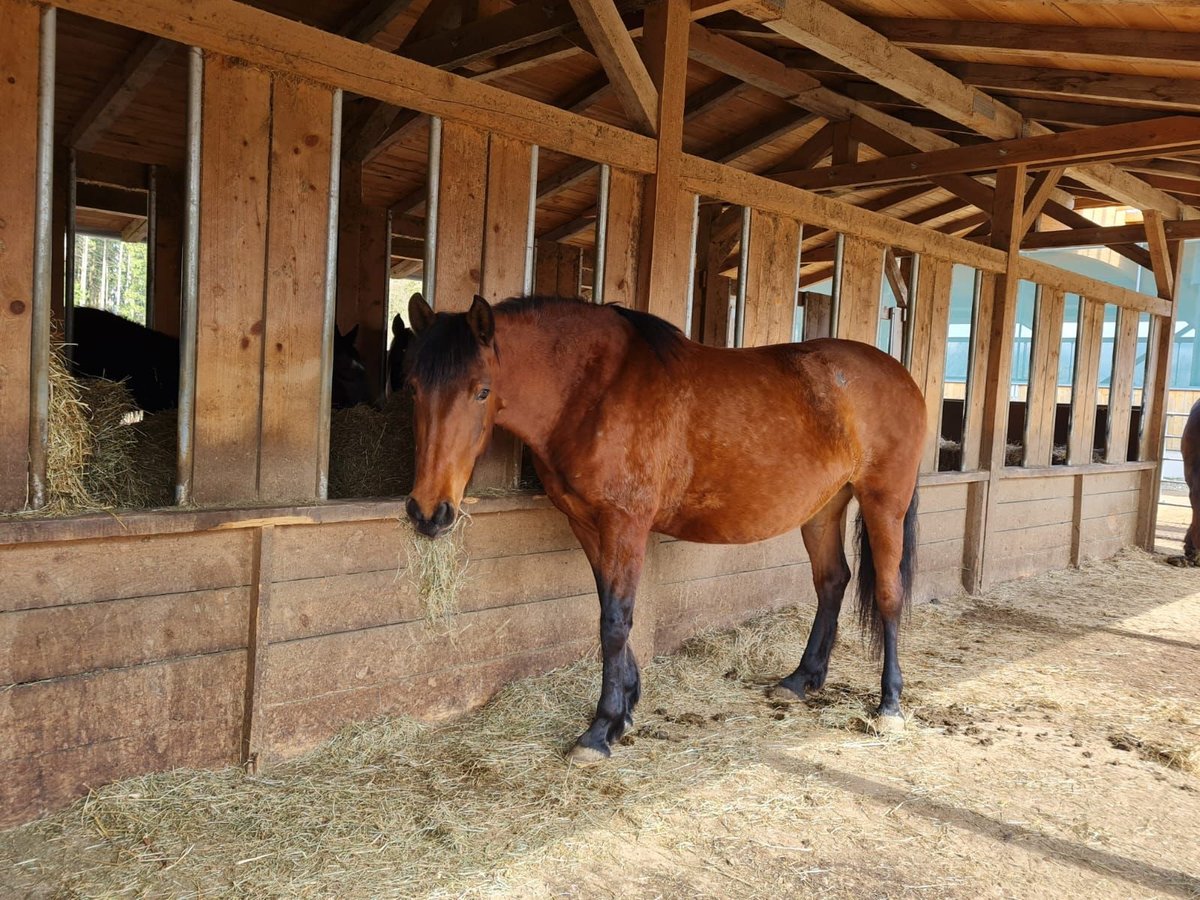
point(413, 508)
point(443, 515)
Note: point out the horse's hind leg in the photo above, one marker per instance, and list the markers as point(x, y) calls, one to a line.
point(823, 538)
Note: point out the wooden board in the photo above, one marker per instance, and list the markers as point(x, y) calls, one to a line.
point(1120, 394)
point(233, 244)
point(168, 250)
point(507, 218)
point(977, 377)
point(1043, 377)
point(1083, 391)
point(373, 268)
point(624, 228)
point(771, 290)
point(930, 327)
point(557, 269)
point(462, 200)
point(18, 148)
point(298, 211)
point(859, 285)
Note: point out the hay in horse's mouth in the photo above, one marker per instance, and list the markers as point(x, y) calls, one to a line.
point(437, 569)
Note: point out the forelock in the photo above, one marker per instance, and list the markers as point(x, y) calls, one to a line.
point(444, 352)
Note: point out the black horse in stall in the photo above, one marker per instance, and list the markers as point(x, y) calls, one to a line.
point(402, 337)
point(109, 346)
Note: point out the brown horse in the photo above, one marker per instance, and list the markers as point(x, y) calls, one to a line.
point(1190, 446)
point(633, 428)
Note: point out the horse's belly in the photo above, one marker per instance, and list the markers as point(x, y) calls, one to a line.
point(721, 516)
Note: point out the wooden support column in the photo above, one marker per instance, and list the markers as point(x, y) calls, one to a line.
point(1120, 386)
point(233, 246)
point(298, 213)
point(1087, 374)
point(462, 203)
point(771, 289)
point(557, 269)
point(1042, 399)
point(168, 258)
point(363, 272)
point(18, 204)
point(991, 392)
point(624, 236)
point(665, 249)
point(930, 328)
point(859, 284)
point(255, 728)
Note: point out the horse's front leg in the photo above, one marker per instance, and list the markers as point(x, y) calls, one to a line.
point(617, 551)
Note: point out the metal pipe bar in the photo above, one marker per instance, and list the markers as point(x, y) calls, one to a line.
point(329, 308)
point(429, 276)
point(151, 242)
point(189, 295)
point(530, 240)
point(739, 333)
point(39, 370)
point(69, 268)
point(601, 266)
point(691, 284)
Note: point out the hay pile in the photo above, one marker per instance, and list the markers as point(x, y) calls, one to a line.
point(371, 450)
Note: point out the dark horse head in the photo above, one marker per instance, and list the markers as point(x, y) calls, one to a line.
point(452, 365)
point(350, 386)
point(402, 337)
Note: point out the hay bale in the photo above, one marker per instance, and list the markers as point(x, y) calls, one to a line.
point(371, 450)
point(70, 444)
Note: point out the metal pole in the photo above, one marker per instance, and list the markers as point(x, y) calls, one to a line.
point(386, 287)
point(598, 270)
point(151, 242)
point(69, 268)
point(329, 311)
point(691, 285)
point(743, 263)
point(431, 210)
point(188, 304)
point(530, 241)
point(797, 334)
point(835, 289)
point(910, 314)
point(43, 247)
point(974, 340)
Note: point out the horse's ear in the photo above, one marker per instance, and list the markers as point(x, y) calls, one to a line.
point(420, 313)
point(351, 336)
point(481, 320)
point(398, 326)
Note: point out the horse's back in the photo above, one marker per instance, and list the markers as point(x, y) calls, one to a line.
point(112, 347)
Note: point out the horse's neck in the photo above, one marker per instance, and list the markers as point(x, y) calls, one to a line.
point(542, 363)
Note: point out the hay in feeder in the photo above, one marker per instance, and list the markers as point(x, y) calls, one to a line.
point(437, 570)
point(69, 448)
point(371, 450)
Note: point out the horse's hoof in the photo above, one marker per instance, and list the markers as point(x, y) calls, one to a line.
point(582, 756)
point(1180, 562)
point(889, 724)
point(784, 694)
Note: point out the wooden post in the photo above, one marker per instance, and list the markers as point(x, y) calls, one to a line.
point(1087, 374)
point(624, 236)
point(462, 203)
point(255, 730)
point(233, 247)
point(992, 392)
point(859, 285)
point(930, 328)
point(1120, 386)
point(665, 251)
point(557, 269)
point(298, 212)
point(771, 290)
point(18, 200)
point(168, 260)
point(374, 272)
point(1042, 399)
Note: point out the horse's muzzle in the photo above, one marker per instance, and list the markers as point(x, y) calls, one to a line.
point(442, 518)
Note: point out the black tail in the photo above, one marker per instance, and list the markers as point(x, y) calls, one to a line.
point(868, 612)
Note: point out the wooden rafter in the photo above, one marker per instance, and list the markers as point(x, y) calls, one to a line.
point(815, 149)
point(820, 27)
point(138, 70)
point(1089, 145)
point(1160, 254)
point(375, 16)
point(1036, 196)
point(610, 40)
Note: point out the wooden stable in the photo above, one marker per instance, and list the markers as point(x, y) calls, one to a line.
point(716, 163)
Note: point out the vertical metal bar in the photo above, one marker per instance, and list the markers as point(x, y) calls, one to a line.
point(835, 290)
point(797, 326)
point(910, 314)
point(973, 390)
point(69, 268)
point(39, 372)
point(151, 242)
point(599, 269)
point(739, 333)
point(188, 301)
point(530, 240)
point(691, 286)
point(329, 309)
point(386, 287)
point(431, 210)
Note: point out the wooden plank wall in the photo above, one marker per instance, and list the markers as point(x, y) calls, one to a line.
point(18, 149)
point(771, 279)
point(859, 285)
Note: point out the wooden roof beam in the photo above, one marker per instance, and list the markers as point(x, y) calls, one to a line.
point(820, 27)
point(610, 40)
point(375, 16)
point(1086, 146)
point(1037, 195)
point(1102, 236)
point(138, 70)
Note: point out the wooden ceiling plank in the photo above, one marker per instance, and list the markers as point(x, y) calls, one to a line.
point(811, 152)
point(706, 99)
point(611, 43)
point(768, 131)
point(1131, 141)
point(137, 70)
point(375, 16)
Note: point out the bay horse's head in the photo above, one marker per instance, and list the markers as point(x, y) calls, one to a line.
point(451, 366)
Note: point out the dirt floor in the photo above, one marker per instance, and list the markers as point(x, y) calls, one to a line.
point(1052, 750)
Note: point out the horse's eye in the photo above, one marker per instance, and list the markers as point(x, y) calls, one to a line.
point(483, 394)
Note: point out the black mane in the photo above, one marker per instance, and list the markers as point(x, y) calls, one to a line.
point(444, 352)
